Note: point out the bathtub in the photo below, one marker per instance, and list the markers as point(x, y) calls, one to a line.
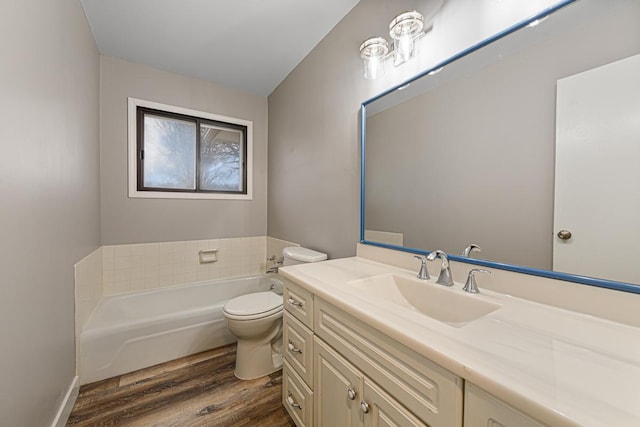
point(137, 330)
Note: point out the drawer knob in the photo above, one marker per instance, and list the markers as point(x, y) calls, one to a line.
point(292, 402)
point(293, 348)
point(294, 302)
point(351, 393)
point(564, 234)
point(364, 406)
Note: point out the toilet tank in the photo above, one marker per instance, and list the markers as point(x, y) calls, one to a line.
point(297, 255)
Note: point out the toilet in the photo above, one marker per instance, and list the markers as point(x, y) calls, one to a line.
point(256, 321)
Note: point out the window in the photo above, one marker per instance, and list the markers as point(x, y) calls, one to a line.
point(180, 153)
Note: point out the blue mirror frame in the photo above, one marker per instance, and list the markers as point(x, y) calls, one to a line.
point(591, 281)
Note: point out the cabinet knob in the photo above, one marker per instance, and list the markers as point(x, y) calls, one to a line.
point(351, 393)
point(293, 348)
point(564, 234)
point(364, 406)
point(292, 402)
point(294, 302)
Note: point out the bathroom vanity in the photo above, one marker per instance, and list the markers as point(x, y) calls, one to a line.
point(553, 337)
point(354, 366)
point(363, 347)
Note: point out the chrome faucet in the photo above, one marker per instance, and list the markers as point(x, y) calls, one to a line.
point(471, 285)
point(445, 269)
point(423, 274)
point(276, 263)
point(471, 248)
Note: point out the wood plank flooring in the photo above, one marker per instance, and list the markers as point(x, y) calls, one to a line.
point(198, 390)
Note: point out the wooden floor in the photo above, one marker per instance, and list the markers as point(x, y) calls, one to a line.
point(198, 390)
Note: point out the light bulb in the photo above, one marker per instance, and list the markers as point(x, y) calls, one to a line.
point(405, 49)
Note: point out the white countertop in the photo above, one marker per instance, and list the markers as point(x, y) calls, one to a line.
point(558, 366)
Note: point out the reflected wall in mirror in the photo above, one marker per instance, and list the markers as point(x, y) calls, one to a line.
point(467, 155)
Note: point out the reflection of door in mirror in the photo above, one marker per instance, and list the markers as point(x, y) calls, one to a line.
point(598, 172)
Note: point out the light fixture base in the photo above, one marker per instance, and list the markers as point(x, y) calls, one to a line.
point(407, 24)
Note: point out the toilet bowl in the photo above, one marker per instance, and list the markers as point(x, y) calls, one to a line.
point(256, 321)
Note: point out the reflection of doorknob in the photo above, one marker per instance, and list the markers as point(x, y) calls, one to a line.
point(564, 234)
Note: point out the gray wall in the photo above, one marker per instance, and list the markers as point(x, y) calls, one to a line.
point(314, 176)
point(49, 170)
point(474, 159)
point(314, 173)
point(126, 220)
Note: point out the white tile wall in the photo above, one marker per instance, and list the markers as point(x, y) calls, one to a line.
point(88, 284)
point(88, 288)
point(131, 268)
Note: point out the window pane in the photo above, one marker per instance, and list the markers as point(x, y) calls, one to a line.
point(220, 159)
point(169, 153)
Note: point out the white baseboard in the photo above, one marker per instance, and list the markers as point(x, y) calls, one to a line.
point(67, 404)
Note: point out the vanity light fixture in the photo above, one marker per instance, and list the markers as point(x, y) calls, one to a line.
point(404, 30)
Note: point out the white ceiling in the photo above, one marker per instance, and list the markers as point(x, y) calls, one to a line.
point(250, 45)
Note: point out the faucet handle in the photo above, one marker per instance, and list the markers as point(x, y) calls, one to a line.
point(471, 285)
point(444, 278)
point(423, 274)
point(471, 248)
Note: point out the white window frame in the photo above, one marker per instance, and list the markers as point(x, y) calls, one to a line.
point(132, 124)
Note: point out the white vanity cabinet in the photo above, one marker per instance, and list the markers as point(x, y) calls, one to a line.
point(361, 350)
point(356, 375)
point(399, 384)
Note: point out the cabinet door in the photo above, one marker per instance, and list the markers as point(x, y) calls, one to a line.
point(382, 410)
point(482, 409)
point(338, 388)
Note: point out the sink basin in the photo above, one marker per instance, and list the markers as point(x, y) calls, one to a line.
point(447, 305)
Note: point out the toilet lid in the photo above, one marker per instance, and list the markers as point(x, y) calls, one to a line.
point(252, 304)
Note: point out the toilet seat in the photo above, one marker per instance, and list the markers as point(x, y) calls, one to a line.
point(253, 306)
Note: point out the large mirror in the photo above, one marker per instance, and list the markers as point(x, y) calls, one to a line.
point(513, 145)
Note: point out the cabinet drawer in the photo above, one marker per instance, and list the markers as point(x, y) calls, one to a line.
point(482, 409)
point(299, 302)
point(296, 397)
point(298, 348)
point(429, 391)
